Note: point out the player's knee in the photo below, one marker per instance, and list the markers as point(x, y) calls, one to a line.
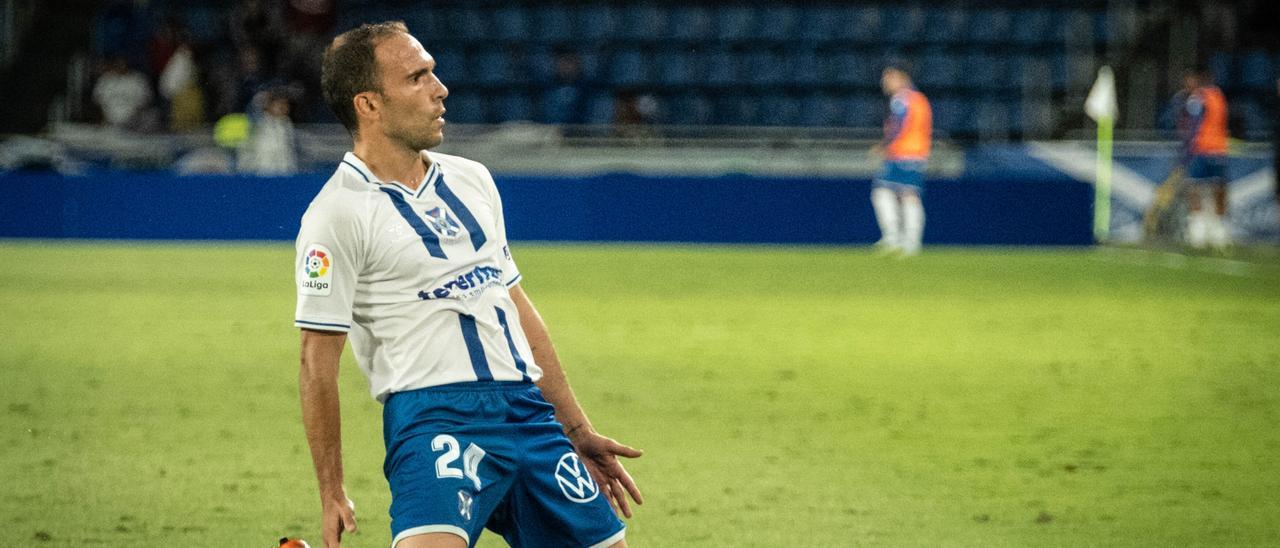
point(620, 544)
point(432, 540)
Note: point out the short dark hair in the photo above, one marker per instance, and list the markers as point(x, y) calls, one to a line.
point(350, 68)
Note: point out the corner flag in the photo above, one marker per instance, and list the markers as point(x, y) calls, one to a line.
point(1101, 106)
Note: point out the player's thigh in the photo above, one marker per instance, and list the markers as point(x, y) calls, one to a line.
point(555, 501)
point(432, 540)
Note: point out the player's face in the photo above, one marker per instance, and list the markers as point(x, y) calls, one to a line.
point(1190, 83)
point(412, 95)
point(890, 82)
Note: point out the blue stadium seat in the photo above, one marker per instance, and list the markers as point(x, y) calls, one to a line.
point(1075, 27)
point(559, 104)
point(778, 23)
point(629, 67)
point(1254, 119)
point(429, 24)
point(734, 23)
point(1222, 68)
point(765, 68)
point(1031, 27)
point(739, 110)
point(539, 65)
point(597, 22)
point(949, 115)
point(821, 110)
point(944, 25)
point(900, 24)
point(989, 26)
point(511, 24)
point(490, 67)
point(644, 22)
point(806, 67)
point(779, 110)
point(691, 23)
point(969, 118)
point(451, 66)
point(600, 108)
point(690, 109)
point(936, 69)
point(864, 110)
point(1036, 118)
point(818, 24)
point(514, 106)
point(722, 67)
point(592, 62)
point(470, 23)
point(681, 67)
point(861, 24)
point(1257, 72)
point(993, 120)
point(553, 24)
point(466, 108)
point(854, 69)
point(984, 71)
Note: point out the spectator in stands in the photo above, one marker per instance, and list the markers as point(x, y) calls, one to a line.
point(1202, 122)
point(908, 134)
point(123, 94)
point(272, 146)
point(180, 87)
point(634, 113)
point(258, 25)
point(254, 77)
point(567, 101)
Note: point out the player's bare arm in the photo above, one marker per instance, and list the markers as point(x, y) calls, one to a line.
point(600, 453)
point(318, 390)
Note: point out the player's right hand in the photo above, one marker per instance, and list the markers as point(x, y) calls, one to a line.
point(339, 517)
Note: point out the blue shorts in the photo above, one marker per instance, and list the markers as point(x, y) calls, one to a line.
point(467, 456)
point(899, 175)
point(1207, 169)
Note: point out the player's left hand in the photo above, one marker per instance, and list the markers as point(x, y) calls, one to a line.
point(600, 455)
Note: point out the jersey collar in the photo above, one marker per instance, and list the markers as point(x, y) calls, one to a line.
point(351, 161)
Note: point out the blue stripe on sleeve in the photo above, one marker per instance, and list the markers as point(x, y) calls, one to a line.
point(475, 348)
point(460, 209)
point(322, 324)
point(429, 238)
point(511, 343)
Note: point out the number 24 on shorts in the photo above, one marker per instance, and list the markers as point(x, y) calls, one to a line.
point(470, 459)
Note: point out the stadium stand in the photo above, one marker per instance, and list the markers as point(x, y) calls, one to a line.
point(1029, 65)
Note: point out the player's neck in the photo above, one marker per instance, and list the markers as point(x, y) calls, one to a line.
point(391, 163)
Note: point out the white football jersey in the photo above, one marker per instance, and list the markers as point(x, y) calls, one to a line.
point(418, 279)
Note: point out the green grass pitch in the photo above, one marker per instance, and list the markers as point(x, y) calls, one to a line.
point(784, 396)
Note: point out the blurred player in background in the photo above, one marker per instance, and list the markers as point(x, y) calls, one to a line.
point(1202, 122)
point(896, 193)
point(405, 251)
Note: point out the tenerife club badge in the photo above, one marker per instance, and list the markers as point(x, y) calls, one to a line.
point(315, 276)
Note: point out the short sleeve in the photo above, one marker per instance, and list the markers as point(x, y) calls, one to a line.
point(326, 269)
point(510, 272)
point(898, 107)
point(1195, 107)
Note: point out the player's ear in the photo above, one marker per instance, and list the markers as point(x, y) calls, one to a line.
point(367, 103)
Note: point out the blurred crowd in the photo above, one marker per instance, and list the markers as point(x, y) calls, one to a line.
point(154, 73)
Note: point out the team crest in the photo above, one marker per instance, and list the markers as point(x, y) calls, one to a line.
point(443, 223)
point(575, 482)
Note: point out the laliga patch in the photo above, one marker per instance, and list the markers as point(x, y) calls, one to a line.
point(316, 274)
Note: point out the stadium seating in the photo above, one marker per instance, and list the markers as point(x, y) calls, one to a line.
point(725, 63)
